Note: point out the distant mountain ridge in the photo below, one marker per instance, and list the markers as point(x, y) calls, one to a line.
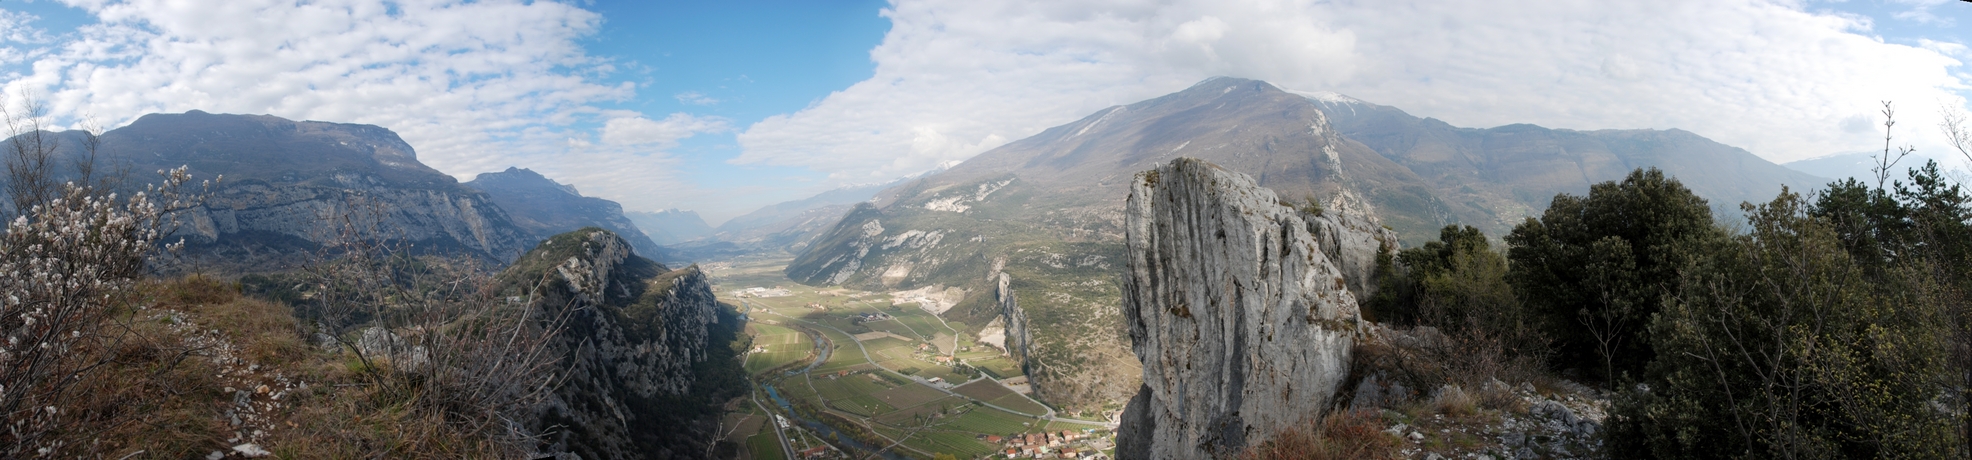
point(546, 208)
point(779, 212)
point(1860, 165)
point(1491, 178)
point(671, 226)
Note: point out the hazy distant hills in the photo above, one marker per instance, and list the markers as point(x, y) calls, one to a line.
point(1046, 210)
point(546, 208)
point(778, 214)
point(295, 188)
point(1491, 178)
point(785, 227)
point(1859, 165)
point(671, 226)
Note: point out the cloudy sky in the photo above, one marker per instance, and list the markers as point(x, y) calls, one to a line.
point(721, 107)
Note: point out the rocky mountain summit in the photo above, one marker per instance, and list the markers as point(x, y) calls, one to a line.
point(546, 208)
point(644, 350)
point(1243, 324)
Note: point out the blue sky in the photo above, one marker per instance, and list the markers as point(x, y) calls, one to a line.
point(741, 60)
point(722, 107)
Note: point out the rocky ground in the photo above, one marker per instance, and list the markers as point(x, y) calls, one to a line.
point(1560, 422)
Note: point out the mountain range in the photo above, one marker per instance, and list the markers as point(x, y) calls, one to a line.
point(1491, 178)
point(294, 191)
point(1046, 211)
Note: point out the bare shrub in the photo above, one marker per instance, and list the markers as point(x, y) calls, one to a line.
point(67, 265)
point(1496, 395)
point(1340, 435)
point(1453, 401)
point(432, 334)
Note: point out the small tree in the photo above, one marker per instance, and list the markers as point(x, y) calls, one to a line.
point(1604, 262)
point(66, 265)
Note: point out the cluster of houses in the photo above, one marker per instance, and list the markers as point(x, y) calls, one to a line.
point(868, 317)
point(821, 451)
point(1063, 444)
point(757, 291)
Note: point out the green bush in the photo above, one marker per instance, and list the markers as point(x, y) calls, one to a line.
point(1595, 268)
point(1778, 343)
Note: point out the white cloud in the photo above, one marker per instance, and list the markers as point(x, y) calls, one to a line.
point(1920, 11)
point(19, 39)
point(474, 85)
point(640, 131)
point(695, 98)
point(1947, 48)
point(956, 77)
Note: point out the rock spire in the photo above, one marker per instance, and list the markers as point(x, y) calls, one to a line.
point(1243, 324)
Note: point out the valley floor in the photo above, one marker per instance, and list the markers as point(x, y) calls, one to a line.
point(838, 368)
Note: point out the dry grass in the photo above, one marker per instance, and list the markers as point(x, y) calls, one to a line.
point(1343, 435)
point(157, 398)
point(1452, 401)
point(267, 330)
point(163, 395)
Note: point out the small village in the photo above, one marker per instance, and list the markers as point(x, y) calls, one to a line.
point(1087, 444)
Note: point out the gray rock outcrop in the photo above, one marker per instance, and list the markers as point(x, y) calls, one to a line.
point(1352, 240)
point(255, 225)
point(1243, 324)
point(643, 350)
point(1019, 337)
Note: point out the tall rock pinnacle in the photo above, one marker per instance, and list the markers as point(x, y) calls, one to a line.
point(1243, 324)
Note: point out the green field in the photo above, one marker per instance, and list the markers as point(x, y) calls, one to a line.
point(894, 327)
point(763, 446)
point(1001, 367)
point(1020, 403)
point(908, 395)
point(990, 421)
point(983, 390)
point(783, 346)
point(911, 415)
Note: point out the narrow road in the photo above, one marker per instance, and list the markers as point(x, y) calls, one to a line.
point(773, 418)
point(787, 451)
point(948, 327)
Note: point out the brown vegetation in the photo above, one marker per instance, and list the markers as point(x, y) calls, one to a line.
point(1343, 435)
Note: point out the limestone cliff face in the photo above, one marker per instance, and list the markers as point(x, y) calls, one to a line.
point(1243, 323)
point(293, 187)
point(644, 350)
point(257, 225)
